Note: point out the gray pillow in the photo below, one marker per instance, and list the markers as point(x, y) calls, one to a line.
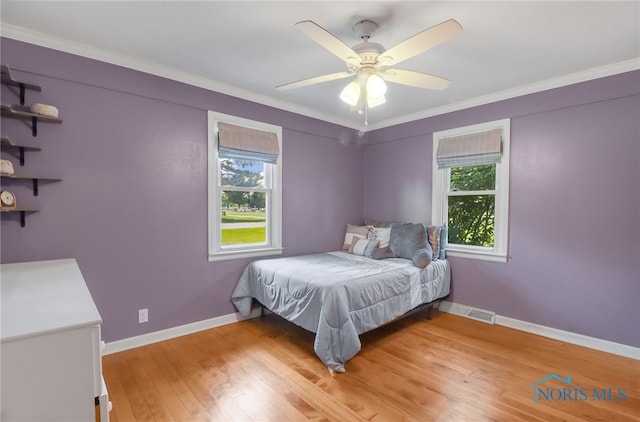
point(382, 253)
point(407, 239)
point(422, 257)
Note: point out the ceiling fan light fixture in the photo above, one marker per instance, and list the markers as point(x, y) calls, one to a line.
point(376, 87)
point(351, 93)
point(375, 101)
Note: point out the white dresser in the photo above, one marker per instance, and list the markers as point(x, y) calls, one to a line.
point(50, 350)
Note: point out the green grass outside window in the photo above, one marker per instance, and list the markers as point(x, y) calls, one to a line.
point(242, 236)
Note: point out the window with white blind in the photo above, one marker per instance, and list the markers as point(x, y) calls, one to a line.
point(471, 189)
point(245, 200)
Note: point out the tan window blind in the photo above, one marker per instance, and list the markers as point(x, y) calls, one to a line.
point(469, 150)
point(244, 143)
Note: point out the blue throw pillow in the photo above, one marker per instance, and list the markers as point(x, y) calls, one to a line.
point(444, 240)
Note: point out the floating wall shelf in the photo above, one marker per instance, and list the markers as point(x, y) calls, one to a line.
point(34, 179)
point(6, 145)
point(7, 79)
point(22, 211)
point(21, 112)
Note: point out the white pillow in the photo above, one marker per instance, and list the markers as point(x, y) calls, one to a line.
point(381, 234)
point(363, 247)
point(354, 232)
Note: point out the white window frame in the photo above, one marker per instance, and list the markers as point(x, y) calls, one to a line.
point(440, 191)
point(273, 176)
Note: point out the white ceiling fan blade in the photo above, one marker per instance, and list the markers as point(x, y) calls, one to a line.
point(327, 40)
point(316, 80)
point(420, 42)
point(417, 79)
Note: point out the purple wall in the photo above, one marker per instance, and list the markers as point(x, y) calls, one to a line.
point(131, 208)
point(130, 138)
point(574, 239)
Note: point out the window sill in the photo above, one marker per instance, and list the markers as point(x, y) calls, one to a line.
point(247, 253)
point(479, 255)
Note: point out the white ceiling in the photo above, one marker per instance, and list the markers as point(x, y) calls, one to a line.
point(246, 49)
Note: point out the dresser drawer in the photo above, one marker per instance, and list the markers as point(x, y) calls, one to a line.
point(51, 377)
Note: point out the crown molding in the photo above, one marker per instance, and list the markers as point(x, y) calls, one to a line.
point(558, 82)
point(60, 44)
point(33, 37)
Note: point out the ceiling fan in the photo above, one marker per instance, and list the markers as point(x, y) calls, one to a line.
point(371, 63)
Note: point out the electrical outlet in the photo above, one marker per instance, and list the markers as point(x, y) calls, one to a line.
point(143, 315)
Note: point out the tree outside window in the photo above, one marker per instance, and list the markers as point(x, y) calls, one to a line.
point(471, 205)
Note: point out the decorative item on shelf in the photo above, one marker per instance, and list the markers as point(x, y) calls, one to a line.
point(44, 110)
point(6, 167)
point(7, 200)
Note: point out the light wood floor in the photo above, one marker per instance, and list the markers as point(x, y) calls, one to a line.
point(445, 369)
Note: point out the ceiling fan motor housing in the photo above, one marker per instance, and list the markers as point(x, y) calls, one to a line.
point(368, 52)
point(365, 28)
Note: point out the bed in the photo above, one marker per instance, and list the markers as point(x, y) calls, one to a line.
point(340, 295)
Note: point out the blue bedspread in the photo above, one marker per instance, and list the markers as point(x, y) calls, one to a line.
point(339, 296)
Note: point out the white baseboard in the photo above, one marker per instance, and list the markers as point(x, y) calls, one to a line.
point(554, 333)
point(444, 306)
point(169, 333)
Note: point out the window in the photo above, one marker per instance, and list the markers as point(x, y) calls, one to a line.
point(471, 189)
point(245, 202)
